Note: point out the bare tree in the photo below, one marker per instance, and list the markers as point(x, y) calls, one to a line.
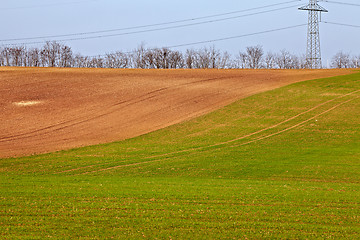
point(7, 54)
point(295, 62)
point(149, 58)
point(355, 61)
point(91, 62)
point(176, 60)
point(254, 55)
point(190, 58)
point(214, 57)
point(65, 56)
point(79, 61)
point(110, 59)
point(34, 57)
point(224, 60)
point(165, 55)
point(26, 57)
point(302, 61)
point(116, 60)
point(341, 60)
point(283, 60)
point(16, 54)
point(161, 57)
point(203, 58)
point(96, 62)
point(86, 61)
point(206, 58)
point(2, 57)
point(138, 57)
point(50, 54)
point(123, 60)
point(270, 60)
point(242, 60)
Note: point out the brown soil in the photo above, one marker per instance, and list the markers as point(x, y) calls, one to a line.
point(47, 109)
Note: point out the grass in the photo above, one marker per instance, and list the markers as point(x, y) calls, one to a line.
point(282, 164)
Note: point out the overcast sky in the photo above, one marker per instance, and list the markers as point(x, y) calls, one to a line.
point(38, 18)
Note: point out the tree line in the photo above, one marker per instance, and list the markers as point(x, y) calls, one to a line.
point(55, 54)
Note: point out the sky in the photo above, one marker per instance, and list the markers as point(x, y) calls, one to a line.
point(38, 18)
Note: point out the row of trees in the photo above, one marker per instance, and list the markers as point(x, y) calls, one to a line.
point(344, 60)
point(54, 54)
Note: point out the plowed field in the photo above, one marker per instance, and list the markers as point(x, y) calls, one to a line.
point(46, 109)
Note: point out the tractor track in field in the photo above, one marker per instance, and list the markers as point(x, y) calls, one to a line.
point(225, 143)
point(80, 120)
point(112, 109)
point(115, 107)
point(299, 124)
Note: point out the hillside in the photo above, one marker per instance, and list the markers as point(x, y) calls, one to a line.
point(282, 164)
point(50, 109)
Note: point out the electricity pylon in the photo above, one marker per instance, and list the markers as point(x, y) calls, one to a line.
point(313, 53)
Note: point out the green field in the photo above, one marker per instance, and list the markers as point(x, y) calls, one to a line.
point(283, 164)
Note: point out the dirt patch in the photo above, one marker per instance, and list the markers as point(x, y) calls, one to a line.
point(83, 107)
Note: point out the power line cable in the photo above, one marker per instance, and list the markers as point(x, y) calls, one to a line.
point(239, 36)
point(221, 39)
point(342, 24)
point(158, 29)
point(48, 5)
point(158, 24)
point(343, 3)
